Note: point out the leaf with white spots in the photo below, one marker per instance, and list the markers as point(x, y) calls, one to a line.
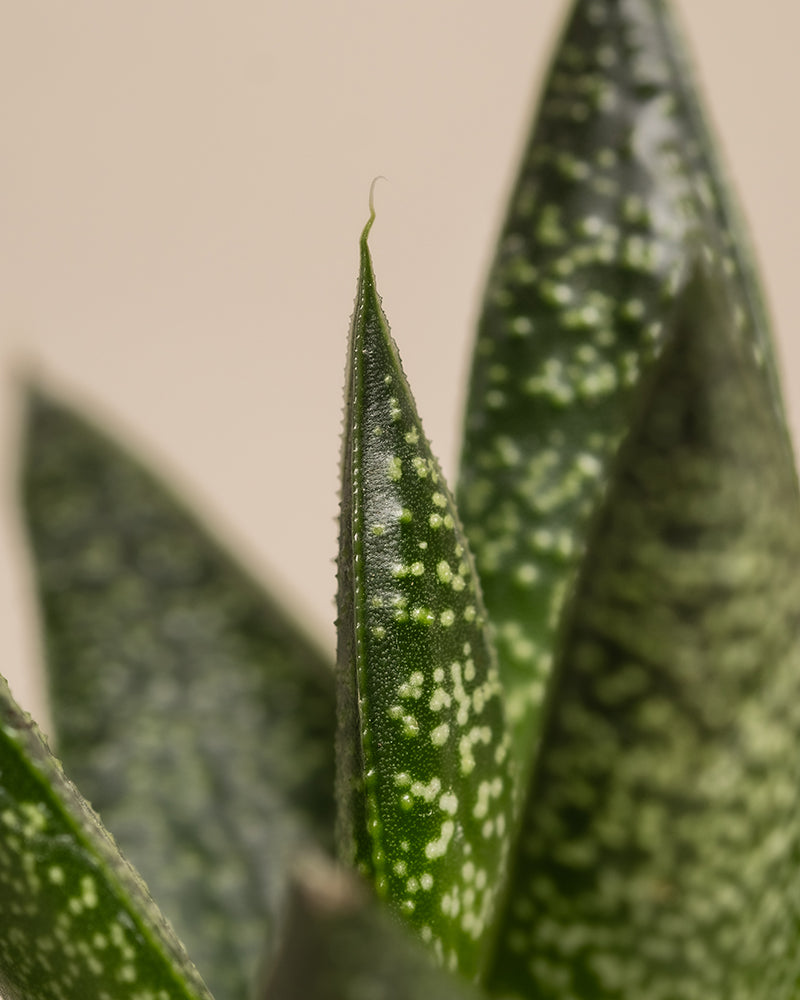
point(192, 712)
point(658, 855)
point(423, 774)
point(338, 944)
point(76, 921)
point(618, 178)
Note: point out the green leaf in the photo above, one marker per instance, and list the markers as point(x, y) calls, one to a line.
point(75, 920)
point(658, 856)
point(423, 770)
point(191, 711)
point(339, 945)
point(618, 177)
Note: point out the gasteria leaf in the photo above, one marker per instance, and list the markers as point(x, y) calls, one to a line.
point(618, 178)
point(338, 944)
point(75, 920)
point(194, 714)
point(423, 752)
point(659, 850)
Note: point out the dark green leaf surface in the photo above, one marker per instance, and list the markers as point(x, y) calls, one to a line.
point(618, 177)
point(423, 769)
point(188, 708)
point(75, 921)
point(659, 854)
point(339, 945)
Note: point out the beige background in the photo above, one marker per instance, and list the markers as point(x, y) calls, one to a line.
point(182, 185)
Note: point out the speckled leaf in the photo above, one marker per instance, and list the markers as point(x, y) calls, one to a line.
point(75, 921)
point(339, 945)
point(195, 716)
point(662, 831)
point(618, 175)
point(423, 775)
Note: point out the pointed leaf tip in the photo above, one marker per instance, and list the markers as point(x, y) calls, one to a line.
point(423, 772)
point(366, 231)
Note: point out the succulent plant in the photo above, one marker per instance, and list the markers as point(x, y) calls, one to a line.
point(554, 758)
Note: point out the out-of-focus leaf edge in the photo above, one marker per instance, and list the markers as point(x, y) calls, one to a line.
point(66, 841)
point(245, 677)
point(340, 944)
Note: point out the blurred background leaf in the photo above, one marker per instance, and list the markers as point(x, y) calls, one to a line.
point(616, 178)
point(191, 711)
point(339, 945)
point(658, 855)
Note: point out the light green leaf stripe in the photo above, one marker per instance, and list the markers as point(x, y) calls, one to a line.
point(195, 715)
point(75, 921)
point(658, 857)
point(423, 753)
point(618, 178)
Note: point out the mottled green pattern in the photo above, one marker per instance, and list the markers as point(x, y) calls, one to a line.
point(190, 711)
point(338, 945)
point(424, 774)
point(617, 177)
point(659, 857)
point(75, 921)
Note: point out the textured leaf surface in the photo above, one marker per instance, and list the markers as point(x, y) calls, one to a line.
point(75, 920)
point(338, 945)
point(660, 844)
point(424, 782)
point(188, 708)
point(617, 179)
